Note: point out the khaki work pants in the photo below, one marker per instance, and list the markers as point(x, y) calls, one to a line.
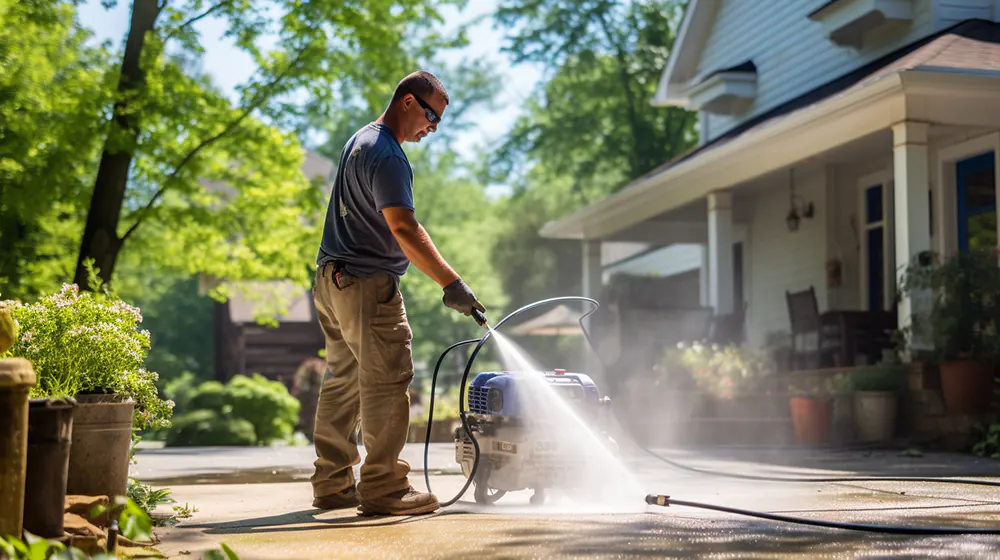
point(369, 368)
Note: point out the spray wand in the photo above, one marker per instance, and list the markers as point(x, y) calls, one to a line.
point(480, 318)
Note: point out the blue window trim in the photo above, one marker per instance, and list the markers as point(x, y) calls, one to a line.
point(963, 169)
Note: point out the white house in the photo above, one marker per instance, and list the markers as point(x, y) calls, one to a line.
point(835, 135)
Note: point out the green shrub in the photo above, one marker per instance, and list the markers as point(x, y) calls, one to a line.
point(210, 395)
point(266, 404)
point(181, 390)
point(878, 378)
point(209, 427)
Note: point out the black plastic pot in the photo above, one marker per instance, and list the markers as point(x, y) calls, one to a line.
point(50, 428)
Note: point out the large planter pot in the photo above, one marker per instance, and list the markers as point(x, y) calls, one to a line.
point(967, 386)
point(875, 415)
point(50, 423)
point(16, 379)
point(102, 436)
point(811, 419)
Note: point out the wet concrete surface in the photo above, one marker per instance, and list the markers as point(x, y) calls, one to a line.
point(274, 518)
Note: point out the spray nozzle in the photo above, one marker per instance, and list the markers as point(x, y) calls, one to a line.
point(479, 317)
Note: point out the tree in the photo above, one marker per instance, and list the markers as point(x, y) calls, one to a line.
point(594, 122)
point(52, 91)
point(170, 133)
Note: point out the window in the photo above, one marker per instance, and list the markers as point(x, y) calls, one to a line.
point(976, 206)
point(874, 240)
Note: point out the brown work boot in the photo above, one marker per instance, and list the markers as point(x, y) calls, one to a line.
point(344, 499)
point(404, 502)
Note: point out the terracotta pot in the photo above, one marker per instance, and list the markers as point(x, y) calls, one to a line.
point(811, 418)
point(99, 453)
point(967, 386)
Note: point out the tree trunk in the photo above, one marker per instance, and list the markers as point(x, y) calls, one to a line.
point(100, 235)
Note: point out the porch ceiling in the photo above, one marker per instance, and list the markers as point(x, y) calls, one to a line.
point(952, 79)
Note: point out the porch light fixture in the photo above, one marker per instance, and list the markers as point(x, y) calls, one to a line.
point(796, 208)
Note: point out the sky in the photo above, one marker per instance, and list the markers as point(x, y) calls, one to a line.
point(229, 66)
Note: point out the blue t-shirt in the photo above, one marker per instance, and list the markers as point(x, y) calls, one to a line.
point(373, 175)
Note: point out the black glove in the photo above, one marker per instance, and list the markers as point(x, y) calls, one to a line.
point(459, 297)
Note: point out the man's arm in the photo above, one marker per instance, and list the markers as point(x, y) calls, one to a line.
point(417, 245)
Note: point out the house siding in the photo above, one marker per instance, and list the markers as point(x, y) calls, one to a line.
point(795, 56)
point(950, 12)
point(781, 260)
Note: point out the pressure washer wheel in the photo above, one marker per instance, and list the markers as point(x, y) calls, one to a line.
point(538, 498)
point(484, 494)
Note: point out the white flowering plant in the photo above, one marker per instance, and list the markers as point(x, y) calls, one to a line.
point(723, 371)
point(88, 343)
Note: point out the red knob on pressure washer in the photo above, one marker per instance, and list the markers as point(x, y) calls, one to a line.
point(479, 317)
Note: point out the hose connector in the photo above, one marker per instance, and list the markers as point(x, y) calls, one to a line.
point(658, 500)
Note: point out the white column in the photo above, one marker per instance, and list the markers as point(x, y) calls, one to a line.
point(912, 213)
point(703, 298)
point(720, 252)
point(592, 281)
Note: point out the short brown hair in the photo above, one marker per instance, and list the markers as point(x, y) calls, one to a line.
point(421, 84)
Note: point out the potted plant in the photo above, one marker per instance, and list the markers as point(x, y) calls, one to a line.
point(875, 400)
point(956, 307)
point(89, 346)
point(723, 372)
point(811, 405)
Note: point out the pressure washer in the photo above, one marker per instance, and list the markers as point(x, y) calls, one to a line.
point(499, 450)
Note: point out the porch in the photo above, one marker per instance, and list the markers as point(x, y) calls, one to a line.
point(833, 192)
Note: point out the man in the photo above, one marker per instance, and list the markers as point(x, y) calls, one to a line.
point(370, 237)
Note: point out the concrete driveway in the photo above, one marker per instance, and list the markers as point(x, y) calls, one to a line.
point(264, 511)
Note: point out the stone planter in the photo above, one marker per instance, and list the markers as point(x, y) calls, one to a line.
point(102, 437)
point(50, 425)
point(16, 379)
point(967, 386)
point(875, 415)
point(811, 418)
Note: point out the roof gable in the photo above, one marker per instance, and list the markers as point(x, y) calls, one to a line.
point(682, 66)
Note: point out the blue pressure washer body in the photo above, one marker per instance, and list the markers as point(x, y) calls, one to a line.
point(518, 450)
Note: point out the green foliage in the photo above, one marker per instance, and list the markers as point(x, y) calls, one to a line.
point(53, 90)
point(37, 548)
point(723, 371)
point(819, 386)
point(881, 377)
point(180, 322)
point(266, 404)
point(961, 316)
point(247, 411)
point(133, 523)
point(989, 441)
point(209, 427)
point(226, 554)
point(148, 499)
point(88, 343)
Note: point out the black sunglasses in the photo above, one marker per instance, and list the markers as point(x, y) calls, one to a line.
point(432, 115)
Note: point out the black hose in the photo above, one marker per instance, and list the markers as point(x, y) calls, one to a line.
point(966, 481)
point(887, 529)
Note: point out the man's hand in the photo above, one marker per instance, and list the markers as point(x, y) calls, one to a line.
point(459, 297)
